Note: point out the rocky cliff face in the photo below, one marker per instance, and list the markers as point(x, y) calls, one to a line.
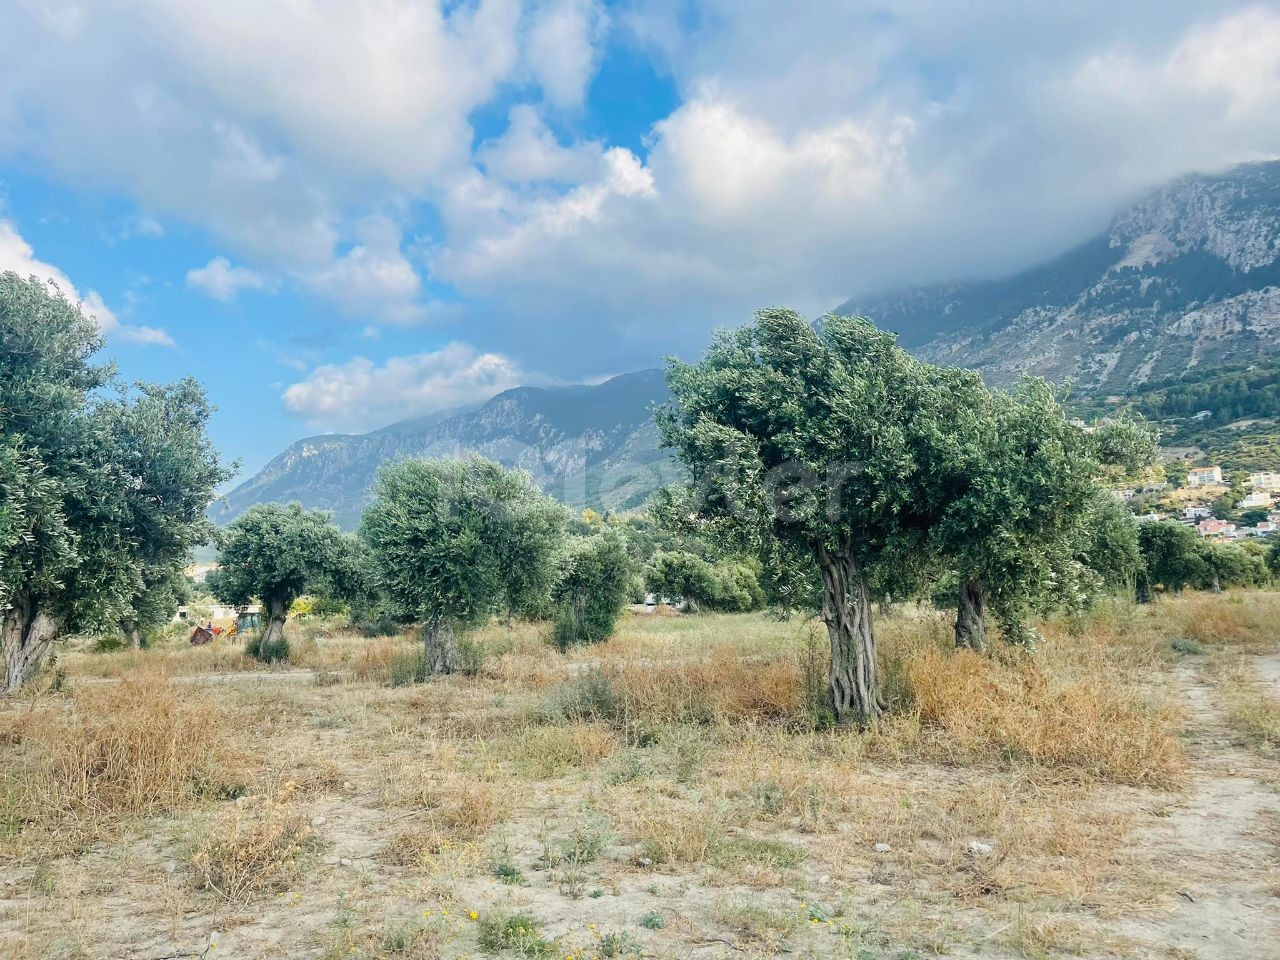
point(1187, 277)
point(586, 446)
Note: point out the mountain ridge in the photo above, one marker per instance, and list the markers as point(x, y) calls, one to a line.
point(588, 445)
point(1188, 275)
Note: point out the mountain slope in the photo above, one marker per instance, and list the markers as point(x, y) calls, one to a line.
point(1188, 277)
point(585, 445)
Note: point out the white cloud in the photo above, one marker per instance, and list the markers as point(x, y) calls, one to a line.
point(562, 48)
point(843, 148)
point(360, 393)
point(17, 255)
point(528, 152)
point(222, 281)
point(373, 278)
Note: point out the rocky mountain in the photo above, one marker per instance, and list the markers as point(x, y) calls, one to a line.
point(1188, 277)
point(585, 445)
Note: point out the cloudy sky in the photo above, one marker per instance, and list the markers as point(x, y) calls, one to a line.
point(338, 213)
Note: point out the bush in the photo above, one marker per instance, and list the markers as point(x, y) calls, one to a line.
point(274, 651)
point(518, 932)
point(731, 586)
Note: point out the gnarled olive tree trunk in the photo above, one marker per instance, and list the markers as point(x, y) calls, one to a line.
point(971, 618)
point(846, 609)
point(276, 612)
point(26, 633)
point(440, 646)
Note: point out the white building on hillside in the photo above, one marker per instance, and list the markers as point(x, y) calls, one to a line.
point(1268, 480)
point(1204, 476)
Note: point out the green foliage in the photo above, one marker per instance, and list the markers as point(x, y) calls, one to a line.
point(277, 553)
point(519, 933)
point(592, 589)
point(267, 649)
point(1175, 557)
point(103, 487)
point(452, 541)
point(1171, 556)
point(731, 586)
point(820, 447)
point(1021, 514)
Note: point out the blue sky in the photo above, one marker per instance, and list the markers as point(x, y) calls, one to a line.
point(339, 214)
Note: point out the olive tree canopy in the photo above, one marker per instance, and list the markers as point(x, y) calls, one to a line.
point(276, 553)
point(454, 541)
point(103, 488)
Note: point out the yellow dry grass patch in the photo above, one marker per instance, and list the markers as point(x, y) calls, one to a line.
point(140, 746)
point(1094, 727)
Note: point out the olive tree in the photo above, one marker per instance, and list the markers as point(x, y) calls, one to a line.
point(1172, 557)
point(1017, 497)
point(809, 440)
point(592, 589)
point(93, 514)
point(445, 537)
point(276, 553)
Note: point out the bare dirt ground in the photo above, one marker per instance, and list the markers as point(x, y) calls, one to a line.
point(476, 816)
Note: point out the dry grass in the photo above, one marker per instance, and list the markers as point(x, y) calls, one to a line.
point(1251, 712)
point(141, 746)
point(1093, 727)
point(255, 847)
point(1248, 620)
point(679, 771)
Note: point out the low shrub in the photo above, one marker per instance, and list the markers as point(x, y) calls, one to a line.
point(259, 845)
point(519, 933)
point(267, 651)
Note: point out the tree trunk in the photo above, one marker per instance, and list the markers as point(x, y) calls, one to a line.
point(1217, 583)
point(276, 611)
point(1143, 590)
point(26, 634)
point(846, 609)
point(971, 624)
point(134, 633)
point(440, 647)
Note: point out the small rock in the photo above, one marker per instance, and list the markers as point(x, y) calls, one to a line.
point(345, 861)
point(882, 848)
point(644, 862)
point(330, 861)
point(348, 785)
point(316, 821)
point(978, 848)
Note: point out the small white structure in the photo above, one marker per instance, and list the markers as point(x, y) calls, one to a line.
point(1256, 499)
point(1204, 476)
point(1196, 513)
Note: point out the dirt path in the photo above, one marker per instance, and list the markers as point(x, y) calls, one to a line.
point(1217, 839)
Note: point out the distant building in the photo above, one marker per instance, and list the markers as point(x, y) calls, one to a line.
point(1196, 513)
point(1204, 476)
point(1215, 528)
point(1269, 480)
point(1256, 499)
point(1149, 517)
